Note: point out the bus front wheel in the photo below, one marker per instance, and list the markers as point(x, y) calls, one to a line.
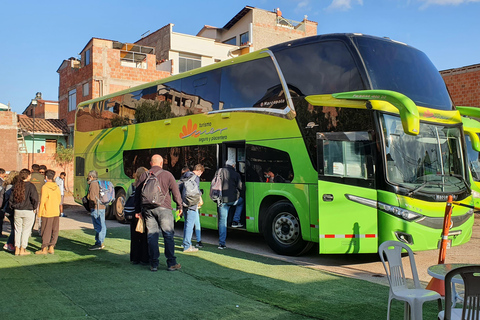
point(282, 230)
point(118, 205)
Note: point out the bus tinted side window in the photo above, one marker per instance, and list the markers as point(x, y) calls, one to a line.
point(201, 92)
point(320, 68)
point(250, 83)
point(174, 159)
point(266, 164)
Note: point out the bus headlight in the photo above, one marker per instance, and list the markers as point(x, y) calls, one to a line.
point(399, 212)
point(475, 194)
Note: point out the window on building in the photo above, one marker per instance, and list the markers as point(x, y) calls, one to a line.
point(232, 41)
point(244, 38)
point(188, 62)
point(86, 89)
point(87, 57)
point(72, 100)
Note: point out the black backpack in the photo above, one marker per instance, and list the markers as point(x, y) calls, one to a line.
point(6, 209)
point(152, 194)
point(129, 207)
point(190, 193)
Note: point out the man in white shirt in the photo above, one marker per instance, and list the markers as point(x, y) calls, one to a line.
point(60, 180)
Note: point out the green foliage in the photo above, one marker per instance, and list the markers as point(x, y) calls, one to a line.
point(153, 110)
point(118, 121)
point(63, 156)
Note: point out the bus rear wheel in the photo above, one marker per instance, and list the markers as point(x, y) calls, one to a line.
point(282, 230)
point(118, 205)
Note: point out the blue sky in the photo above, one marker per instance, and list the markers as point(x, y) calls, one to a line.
point(36, 36)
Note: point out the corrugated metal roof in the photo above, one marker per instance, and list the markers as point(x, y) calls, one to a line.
point(47, 126)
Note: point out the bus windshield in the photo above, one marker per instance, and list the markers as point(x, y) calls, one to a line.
point(430, 162)
point(398, 67)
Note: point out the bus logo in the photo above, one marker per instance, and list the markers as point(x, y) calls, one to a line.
point(190, 130)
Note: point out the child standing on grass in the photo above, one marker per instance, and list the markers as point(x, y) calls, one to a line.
point(49, 212)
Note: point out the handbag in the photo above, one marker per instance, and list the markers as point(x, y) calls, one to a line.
point(140, 225)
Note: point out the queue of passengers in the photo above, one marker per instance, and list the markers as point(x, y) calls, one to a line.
point(25, 196)
point(26, 193)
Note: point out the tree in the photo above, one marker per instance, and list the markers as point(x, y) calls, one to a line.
point(63, 157)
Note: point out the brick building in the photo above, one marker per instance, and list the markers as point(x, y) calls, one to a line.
point(107, 66)
point(253, 29)
point(11, 158)
point(464, 85)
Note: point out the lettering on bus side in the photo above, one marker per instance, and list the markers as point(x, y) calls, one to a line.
point(212, 134)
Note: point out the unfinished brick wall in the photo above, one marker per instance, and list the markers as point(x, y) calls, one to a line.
point(9, 159)
point(464, 85)
point(266, 32)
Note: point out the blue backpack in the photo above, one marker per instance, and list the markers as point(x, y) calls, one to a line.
point(107, 192)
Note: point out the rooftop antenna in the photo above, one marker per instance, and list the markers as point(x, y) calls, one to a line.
point(143, 34)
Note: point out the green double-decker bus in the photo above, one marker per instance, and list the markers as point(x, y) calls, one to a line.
point(344, 140)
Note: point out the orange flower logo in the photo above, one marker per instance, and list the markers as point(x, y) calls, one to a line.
point(189, 130)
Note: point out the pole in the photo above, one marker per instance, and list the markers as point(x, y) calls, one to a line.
point(437, 284)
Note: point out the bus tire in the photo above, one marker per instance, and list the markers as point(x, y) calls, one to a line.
point(118, 205)
point(282, 230)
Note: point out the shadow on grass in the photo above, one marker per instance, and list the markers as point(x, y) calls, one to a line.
point(212, 284)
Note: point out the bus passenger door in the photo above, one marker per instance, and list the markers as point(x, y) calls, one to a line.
point(236, 151)
point(347, 213)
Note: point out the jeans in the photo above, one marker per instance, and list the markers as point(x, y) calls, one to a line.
point(223, 217)
point(98, 220)
point(198, 228)
point(191, 217)
point(157, 219)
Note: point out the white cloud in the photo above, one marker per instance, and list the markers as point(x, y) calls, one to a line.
point(343, 5)
point(428, 3)
point(303, 6)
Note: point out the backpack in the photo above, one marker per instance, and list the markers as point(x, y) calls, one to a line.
point(107, 193)
point(129, 207)
point(152, 194)
point(6, 209)
point(190, 193)
point(216, 187)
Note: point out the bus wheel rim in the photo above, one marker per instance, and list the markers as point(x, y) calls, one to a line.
point(286, 228)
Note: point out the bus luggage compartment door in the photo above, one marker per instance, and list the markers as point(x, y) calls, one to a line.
point(346, 193)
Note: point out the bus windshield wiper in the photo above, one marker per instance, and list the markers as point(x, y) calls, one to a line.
point(423, 185)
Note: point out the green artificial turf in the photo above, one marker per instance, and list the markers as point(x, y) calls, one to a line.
point(76, 283)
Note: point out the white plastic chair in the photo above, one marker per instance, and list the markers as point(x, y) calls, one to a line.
point(471, 299)
point(413, 297)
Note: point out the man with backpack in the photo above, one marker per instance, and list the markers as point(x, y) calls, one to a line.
point(97, 211)
point(153, 200)
point(192, 198)
point(232, 186)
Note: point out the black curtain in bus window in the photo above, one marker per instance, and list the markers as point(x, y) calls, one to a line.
point(320, 68)
point(202, 92)
point(266, 164)
point(250, 83)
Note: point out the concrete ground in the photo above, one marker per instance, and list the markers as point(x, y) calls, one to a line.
point(364, 266)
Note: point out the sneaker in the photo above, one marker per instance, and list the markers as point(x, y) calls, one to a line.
point(222, 246)
point(237, 224)
point(199, 244)
point(154, 269)
point(9, 247)
point(63, 215)
point(190, 249)
point(97, 247)
point(175, 267)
